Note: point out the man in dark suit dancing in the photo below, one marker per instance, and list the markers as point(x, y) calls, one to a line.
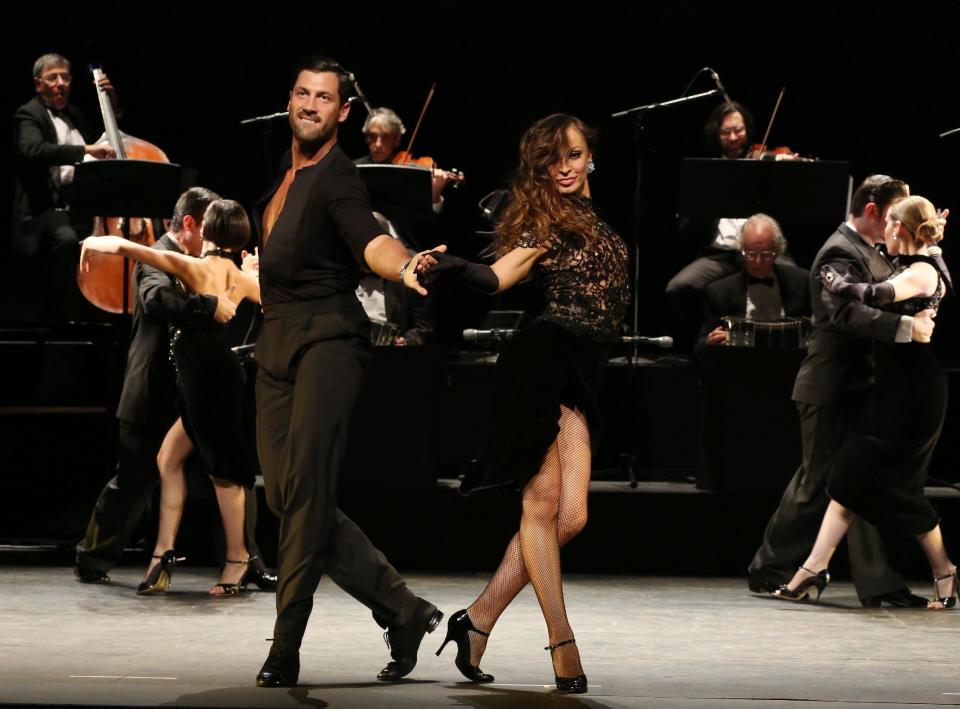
point(147, 405)
point(763, 290)
point(50, 136)
point(312, 353)
point(832, 383)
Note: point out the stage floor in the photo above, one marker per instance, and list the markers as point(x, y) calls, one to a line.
point(645, 642)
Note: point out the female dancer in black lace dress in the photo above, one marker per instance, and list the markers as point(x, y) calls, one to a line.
point(210, 393)
point(880, 471)
point(547, 380)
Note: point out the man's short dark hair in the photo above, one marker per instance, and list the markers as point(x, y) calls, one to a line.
point(193, 202)
point(318, 63)
point(881, 190)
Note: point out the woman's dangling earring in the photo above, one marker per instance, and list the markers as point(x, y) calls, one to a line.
point(591, 166)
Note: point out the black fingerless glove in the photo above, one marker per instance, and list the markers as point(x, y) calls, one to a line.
point(475, 275)
point(842, 284)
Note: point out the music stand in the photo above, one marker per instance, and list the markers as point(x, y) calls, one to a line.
point(806, 197)
point(718, 187)
point(125, 188)
point(406, 187)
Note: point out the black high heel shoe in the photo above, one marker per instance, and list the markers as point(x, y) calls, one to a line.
point(457, 628)
point(233, 589)
point(818, 581)
point(159, 578)
point(571, 685)
point(950, 601)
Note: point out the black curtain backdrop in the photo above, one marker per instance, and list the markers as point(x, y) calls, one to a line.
point(871, 83)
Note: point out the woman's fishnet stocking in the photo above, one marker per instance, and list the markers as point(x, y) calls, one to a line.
point(555, 510)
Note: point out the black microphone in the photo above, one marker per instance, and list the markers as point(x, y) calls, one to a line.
point(665, 341)
point(498, 334)
point(716, 80)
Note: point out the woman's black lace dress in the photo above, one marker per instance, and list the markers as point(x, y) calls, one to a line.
point(882, 467)
point(559, 357)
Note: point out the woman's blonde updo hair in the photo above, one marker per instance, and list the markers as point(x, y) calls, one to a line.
point(919, 217)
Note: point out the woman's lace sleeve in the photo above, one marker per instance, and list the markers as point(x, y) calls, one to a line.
point(529, 240)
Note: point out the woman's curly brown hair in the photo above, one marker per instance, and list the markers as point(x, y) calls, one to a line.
point(536, 206)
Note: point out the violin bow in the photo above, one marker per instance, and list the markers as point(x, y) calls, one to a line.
point(766, 135)
point(423, 111)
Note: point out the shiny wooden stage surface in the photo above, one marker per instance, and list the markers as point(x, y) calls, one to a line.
point(645, 642)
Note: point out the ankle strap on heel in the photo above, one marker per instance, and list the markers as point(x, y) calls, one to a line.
point(243, 561)
point(551, 648)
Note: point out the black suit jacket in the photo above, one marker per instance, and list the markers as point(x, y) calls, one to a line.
point(149, 383)
point(35, 142)
point(728, 296)
point(839, 356)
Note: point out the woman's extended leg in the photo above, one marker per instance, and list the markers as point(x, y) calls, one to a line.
point(540, 544)
point(836, 522)
point(231, 499)
point(943, 569)
point(573, 445)
point(174, 451)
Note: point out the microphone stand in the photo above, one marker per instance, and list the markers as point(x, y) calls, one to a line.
point(637, 113)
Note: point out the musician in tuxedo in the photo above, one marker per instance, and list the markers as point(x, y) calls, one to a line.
point(763, 289)
point(388, 304)
point(728, 135)
point(50, 136)
point(833, 381)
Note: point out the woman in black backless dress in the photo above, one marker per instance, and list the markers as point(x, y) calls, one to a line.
point(547, 380)
point(880, 471)
point(210, 384)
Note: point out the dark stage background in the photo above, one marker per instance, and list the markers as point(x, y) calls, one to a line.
point(869, 83)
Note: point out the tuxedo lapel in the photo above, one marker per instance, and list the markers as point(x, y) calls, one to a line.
point(873, 261)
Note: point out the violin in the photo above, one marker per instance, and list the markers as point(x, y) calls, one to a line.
point(403, 157)
point(759, 151)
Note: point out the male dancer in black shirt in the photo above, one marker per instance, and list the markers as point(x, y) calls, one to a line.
point(312, 354)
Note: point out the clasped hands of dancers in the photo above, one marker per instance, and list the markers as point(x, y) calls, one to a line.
point(547, 376)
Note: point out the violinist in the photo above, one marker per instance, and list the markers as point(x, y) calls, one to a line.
point(51, 135)
point(728, 134)
point(388, 304)
point(383, 130)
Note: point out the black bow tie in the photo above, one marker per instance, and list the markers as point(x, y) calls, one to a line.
point(56, 112)
point(765, 281)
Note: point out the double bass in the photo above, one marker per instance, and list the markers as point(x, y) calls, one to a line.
point(108, 283)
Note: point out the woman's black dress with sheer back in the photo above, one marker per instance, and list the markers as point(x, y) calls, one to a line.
point(210, 398)
point(882, 467)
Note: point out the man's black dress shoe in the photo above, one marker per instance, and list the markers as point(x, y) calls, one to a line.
point(90, 575)
point(901, 598)
point(759, 585)
point(282, 667)
point(404, 640)
point(265, 579)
